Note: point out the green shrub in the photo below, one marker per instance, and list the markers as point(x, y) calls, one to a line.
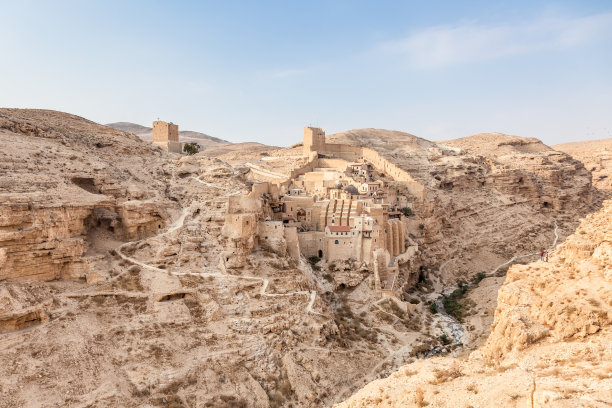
point(414, 301)
point(407, 211)
point(191, 148)
point(444, 339)
point(479, 276)
point(452, 303)
point(313, 260)
point(433, 308)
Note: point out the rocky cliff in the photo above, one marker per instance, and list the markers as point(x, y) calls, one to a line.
point(549, 344)
point(489, 197)
point(64, 181)
point(597, 158)
point(113, 293)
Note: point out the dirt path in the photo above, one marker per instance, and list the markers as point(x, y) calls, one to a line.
point(179, 224)
point(265, 173)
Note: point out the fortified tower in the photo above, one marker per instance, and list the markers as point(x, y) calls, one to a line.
point(166, 135)
point(314, 140)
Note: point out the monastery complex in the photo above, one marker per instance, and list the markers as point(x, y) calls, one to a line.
point(344, 204)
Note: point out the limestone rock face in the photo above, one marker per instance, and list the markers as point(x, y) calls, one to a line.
point(160, 321)
point(42, 243)
point(549, 344)
point(597, 158)
point(564, 299)
point(63, 181)
point(488, 197)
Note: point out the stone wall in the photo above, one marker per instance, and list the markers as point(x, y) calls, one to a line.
point(311, 243)
point(355, 153)
point(271, 236)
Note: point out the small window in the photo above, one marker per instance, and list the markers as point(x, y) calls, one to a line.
point(247, 223)
point(336, 242)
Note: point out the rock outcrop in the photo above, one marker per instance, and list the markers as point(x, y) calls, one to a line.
point(488, 197)
point(63, 179)
point(160, 321)
point(597, 158)
point(549, 345)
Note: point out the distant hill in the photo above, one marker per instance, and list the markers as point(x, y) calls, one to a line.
point(186, 136)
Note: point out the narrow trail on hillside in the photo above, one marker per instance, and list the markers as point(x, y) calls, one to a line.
point(178, 224)
point(452, 327)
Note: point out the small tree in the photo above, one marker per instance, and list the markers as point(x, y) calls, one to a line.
point(191, 148)
point(407, 211)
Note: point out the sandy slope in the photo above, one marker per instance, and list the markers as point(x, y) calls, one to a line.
point(550, 341)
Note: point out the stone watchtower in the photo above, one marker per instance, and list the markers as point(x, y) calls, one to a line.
point(166, 135)
point(314, 140)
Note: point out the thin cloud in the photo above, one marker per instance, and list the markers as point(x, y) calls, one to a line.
point(306, 69)
point(284, 73)
point(470, 42)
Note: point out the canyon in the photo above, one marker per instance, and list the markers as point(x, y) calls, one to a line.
point(131, 276)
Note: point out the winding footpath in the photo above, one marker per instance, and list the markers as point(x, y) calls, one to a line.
point(178, 224)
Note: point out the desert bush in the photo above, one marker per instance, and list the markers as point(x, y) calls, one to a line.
point(419, 398)
point(452, 303)
point(479, 276)
point(226, 401)
point(397, 310)
point(449, 374)
point(444, 339)
point(433, 308)
point(407, 211)
point(313, 261)
point(191, 148)
point(276, 399)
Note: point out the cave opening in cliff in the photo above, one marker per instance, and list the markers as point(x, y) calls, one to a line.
point(172, 296)
point(86, 183)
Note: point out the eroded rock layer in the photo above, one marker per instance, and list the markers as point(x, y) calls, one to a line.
point(549, 345)
point(67, 185)
point(114, 293)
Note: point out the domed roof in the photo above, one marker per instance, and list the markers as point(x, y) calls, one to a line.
point(351, 190)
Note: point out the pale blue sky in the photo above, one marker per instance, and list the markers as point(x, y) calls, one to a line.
point(261, 70)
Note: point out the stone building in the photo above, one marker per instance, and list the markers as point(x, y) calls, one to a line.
point(335, 207)
point(314, 139)
point(166, 135)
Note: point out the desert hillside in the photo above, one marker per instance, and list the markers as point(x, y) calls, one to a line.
point(132, 277)
point(597, 158)
point(550, 340)
point(186, 136)
point(64, 183)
